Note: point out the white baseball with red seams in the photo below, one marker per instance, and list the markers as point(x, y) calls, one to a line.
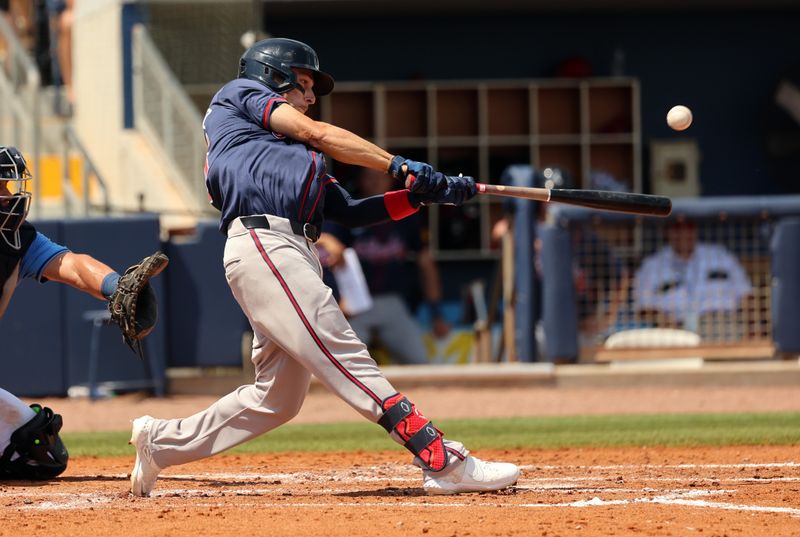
point(679, 117)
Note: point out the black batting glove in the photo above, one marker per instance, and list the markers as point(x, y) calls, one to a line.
point(457, 191)
point(417, 177)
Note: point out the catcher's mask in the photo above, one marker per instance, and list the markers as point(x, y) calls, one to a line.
point(270, 62)
point(15, 199)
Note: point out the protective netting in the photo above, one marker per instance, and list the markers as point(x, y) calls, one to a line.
point(709, 277)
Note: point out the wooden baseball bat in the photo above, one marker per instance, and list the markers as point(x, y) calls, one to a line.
point(622, 202)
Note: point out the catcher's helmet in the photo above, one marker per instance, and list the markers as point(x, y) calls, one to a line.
point(15, 199)
point(264, 59)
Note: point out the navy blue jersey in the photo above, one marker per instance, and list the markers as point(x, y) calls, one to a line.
point(252, 170)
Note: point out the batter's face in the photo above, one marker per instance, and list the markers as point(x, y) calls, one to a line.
point(301, 100)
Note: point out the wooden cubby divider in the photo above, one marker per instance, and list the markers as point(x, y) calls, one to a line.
point(478, 127)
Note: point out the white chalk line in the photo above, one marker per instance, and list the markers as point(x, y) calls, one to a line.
point(565, 484)
point(544, 482)
point(765, 465)
point(69, 500)
point(685, 498)
point(410, 473)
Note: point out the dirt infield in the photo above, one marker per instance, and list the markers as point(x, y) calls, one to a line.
point(710, 492)
point(741, 491)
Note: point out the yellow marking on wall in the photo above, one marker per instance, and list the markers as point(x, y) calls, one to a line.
point(50, 177)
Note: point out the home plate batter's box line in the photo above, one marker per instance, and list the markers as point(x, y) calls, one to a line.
point(545, 483)
point(712, 466)
point(537, 484)
point(403, 474)
point(684, 498)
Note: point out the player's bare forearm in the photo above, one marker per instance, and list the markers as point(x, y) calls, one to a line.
point(80, 271)
point(350, 148)
point(339, 143)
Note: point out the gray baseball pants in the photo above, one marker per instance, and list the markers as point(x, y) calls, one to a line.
point(299, 330)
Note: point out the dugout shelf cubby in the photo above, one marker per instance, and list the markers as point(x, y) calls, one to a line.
point(479, 127)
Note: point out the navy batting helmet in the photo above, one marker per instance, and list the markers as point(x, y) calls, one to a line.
point(271, 57)
point(15, 199)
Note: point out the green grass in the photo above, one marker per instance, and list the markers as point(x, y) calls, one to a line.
point(688, 430)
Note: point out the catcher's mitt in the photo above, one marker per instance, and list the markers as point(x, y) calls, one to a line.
point(133, 305)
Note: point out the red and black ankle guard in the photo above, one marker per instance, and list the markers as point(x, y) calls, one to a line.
point(420, 436)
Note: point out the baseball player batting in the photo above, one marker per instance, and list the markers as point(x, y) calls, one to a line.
point(266, 174)
point(30, 447)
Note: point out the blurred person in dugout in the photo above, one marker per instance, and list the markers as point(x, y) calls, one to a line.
point(693, 285)
point(383, 252)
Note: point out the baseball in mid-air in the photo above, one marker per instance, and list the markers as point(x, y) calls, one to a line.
point(679, 117)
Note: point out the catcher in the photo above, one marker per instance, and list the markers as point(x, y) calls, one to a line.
point(30, 447)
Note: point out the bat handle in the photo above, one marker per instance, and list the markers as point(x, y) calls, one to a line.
point(481, 188)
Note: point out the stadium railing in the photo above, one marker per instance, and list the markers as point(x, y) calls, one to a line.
point(65, 184)
point(91, 182)
point(20, 109)
point(163, 109)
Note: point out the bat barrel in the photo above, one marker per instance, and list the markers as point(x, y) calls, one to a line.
point(614, 201)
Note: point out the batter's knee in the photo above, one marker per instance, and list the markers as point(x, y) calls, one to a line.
point(282, 410)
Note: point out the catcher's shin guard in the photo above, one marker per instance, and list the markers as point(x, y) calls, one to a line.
point(420, 437)
point(40, 452)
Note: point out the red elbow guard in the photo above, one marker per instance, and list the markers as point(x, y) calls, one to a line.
point(398, 205)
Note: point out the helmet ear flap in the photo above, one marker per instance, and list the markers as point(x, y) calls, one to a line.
point(280, 80)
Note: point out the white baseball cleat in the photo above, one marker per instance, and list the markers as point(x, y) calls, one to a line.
point(472, 475)
point(145, 472)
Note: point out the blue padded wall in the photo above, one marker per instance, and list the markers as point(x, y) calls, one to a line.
point(525, 285)
point(32, 335)
point(204, 321)
point(786, 285)
point(120, 243)
point(559, 314)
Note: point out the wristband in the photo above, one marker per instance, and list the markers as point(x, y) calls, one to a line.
point(109, 284)
point(396, 167)
point(398, 204)
point(436, 310)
